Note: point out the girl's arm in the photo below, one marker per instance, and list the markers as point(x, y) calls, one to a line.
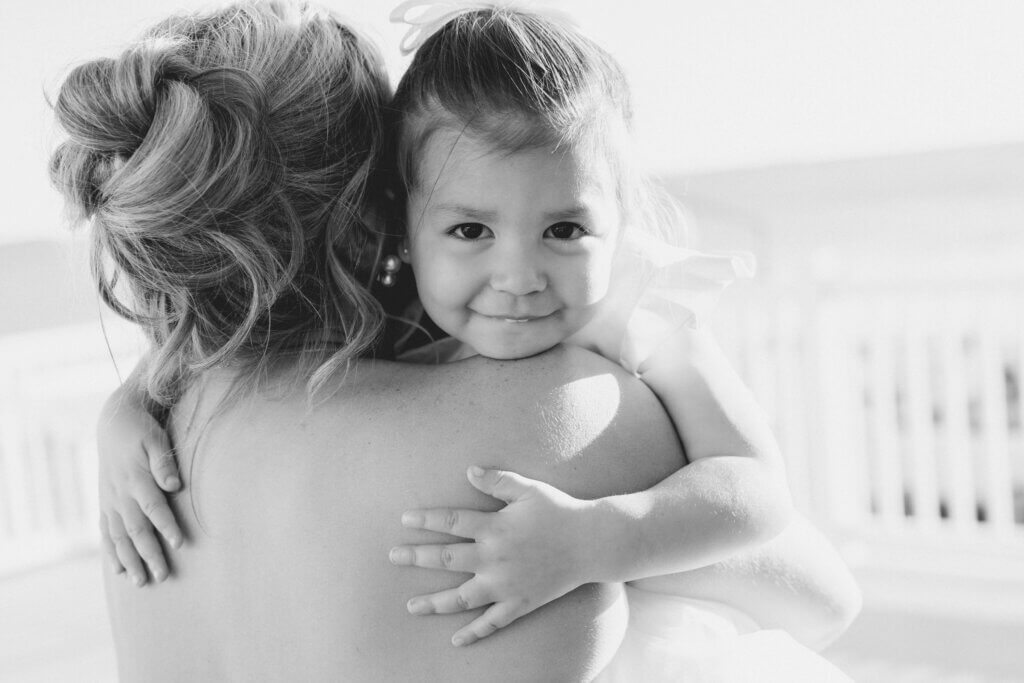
point(731, 496)
point(136, 461)
point(796, 582)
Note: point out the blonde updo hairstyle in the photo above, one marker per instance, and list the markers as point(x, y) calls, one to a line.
point(227, 163)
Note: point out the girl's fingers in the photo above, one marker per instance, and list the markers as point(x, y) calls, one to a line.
point(497, 616)
point(456, 557)
point(153, 504)
point(457, 522)
point(162, 463)
point(467, 596)
point(108, 545)
point(141, 533)
point(125, 550)
point(500, 484)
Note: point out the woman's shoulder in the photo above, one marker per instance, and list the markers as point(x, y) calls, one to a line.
point(219, 398)
point(566, 398)
point(558, 364)
point(438, 352)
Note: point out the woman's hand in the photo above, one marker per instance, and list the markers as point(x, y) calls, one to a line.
point(137, 466)
point(532, 551)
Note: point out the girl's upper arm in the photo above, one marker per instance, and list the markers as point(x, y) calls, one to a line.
point(713, 411)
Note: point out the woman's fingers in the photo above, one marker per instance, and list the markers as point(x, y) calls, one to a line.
point(125, 549)
point(162, 463)
point(469, 595)
point(454, 521)
point(140, 531)
point(456, 557)
point(497, 616)
point(108, 545)
point(153, 504)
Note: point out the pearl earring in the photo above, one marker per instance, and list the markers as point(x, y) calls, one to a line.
point(390, 265)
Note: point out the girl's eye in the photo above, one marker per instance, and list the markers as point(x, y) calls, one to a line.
point(470, 231)
point(566, 231)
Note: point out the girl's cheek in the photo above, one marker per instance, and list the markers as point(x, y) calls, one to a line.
point(597, 281)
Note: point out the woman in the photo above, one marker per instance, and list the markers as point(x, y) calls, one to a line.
point(229, 165)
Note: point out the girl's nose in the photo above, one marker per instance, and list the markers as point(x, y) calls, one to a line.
point(517, 272)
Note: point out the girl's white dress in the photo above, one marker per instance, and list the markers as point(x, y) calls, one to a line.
point(682, 640)
point(671, 638)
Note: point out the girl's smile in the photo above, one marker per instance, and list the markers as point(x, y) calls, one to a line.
point(511, 251)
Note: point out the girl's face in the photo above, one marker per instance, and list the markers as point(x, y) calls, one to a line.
point(512, 252)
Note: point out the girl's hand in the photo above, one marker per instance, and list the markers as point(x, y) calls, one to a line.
point(136, 462)
point(527, 554)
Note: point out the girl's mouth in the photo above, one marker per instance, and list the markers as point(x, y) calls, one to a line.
point(516, 320)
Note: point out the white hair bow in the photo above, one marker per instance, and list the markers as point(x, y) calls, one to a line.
point(426, 17)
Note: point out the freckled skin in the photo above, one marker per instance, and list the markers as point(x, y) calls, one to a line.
point(285, 573)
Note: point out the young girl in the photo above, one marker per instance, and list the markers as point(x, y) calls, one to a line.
point(526, 227)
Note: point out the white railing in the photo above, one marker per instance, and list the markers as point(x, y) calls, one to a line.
point(54, 382)
point(900, 414)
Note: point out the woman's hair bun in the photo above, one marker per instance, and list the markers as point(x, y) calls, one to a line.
point(150, 128)
point(224, 161)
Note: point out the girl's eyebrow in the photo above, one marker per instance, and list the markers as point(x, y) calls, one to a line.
point(574, 211)
point(467, 211)
point(490, 215)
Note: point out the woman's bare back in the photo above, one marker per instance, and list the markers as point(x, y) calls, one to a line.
point(285, 575)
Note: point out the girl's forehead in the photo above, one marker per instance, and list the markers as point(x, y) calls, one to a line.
point(448, 154)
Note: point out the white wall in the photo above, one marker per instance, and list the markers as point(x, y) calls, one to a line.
point(724, 84)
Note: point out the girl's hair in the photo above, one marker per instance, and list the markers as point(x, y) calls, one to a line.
point(518, 81)
point(227, 162)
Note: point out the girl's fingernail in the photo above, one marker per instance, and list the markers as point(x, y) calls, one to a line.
point(395, 555)
point(138, 580)
point(172, 482)
point(413, 519)
point(159, 575)
point(175, 541)
point(458, 641)
point(476, 471)
point(416, 606)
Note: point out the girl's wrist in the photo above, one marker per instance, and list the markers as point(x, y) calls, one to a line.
point(610, 543)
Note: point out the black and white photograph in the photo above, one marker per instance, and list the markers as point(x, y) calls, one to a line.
point(522, 340)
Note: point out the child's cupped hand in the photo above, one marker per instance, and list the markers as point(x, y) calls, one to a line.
point(136, 468)
point(532, 551)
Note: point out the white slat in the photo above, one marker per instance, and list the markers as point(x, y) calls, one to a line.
point(920, 434)
point(958, 472)
point(995, 437)
point(882, 419)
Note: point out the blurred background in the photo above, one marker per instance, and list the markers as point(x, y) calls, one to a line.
point(870, 153)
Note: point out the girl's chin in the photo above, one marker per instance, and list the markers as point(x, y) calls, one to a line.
point(513, 352)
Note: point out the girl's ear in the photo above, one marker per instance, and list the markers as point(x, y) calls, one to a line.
point(403, 250)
